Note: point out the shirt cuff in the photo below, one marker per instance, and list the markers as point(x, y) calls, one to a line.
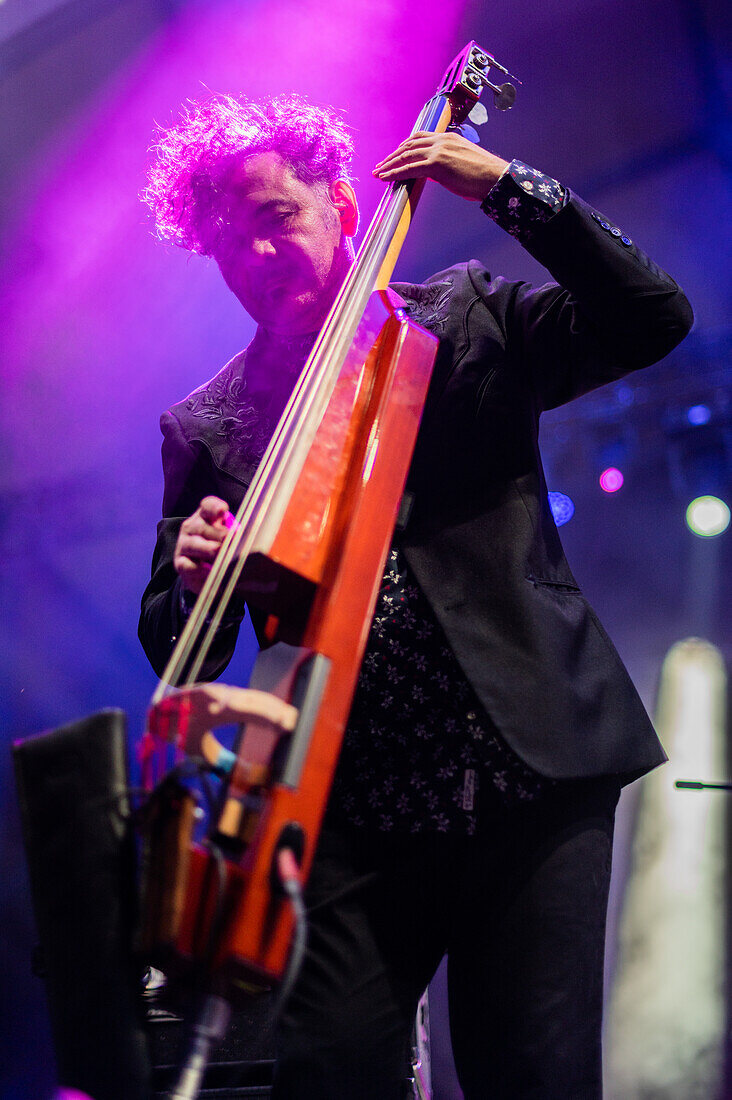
point(523, 199)
point(232, 616)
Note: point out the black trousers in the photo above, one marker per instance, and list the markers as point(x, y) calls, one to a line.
point(520, 911)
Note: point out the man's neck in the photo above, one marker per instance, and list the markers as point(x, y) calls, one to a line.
point(282, 346)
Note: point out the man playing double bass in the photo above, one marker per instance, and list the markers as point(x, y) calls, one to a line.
point(493, 723)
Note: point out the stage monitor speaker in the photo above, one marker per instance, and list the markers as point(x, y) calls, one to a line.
point(72, 785)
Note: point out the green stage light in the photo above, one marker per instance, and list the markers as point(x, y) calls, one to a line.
point(707, 516)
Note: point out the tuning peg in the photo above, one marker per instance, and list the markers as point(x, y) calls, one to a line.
point(504, 94)
point(482, 60)
point(501, 69)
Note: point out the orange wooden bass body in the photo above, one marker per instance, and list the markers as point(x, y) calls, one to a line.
point(336, 534)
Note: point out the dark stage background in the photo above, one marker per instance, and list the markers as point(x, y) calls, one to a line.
point(102, 327)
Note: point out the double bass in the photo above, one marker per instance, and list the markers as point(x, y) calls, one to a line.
point(307, 549)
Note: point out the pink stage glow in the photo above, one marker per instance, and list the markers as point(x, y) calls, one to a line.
point(103, 324)
point(611, 480)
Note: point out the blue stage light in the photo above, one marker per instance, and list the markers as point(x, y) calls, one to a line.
point(562, 508)
point(698, 414)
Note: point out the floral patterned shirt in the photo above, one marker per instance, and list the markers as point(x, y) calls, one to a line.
point(420, 750)
point(522, 199)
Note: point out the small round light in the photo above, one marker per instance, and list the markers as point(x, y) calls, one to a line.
point(611, 479)
point(562, 508)
point(698, 414)
point(707, 517)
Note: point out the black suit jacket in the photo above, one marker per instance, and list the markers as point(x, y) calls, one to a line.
point(480, 539)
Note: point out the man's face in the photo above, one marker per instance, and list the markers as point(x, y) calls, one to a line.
point(283, 253)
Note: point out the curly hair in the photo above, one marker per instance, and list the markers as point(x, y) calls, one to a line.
point(187, 182)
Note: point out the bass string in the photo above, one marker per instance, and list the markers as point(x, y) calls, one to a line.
point(243, 532)
point(305, 415)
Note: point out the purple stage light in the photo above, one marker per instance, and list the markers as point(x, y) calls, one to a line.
point(611, 479)
point(562, 508)
point(82, 255)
